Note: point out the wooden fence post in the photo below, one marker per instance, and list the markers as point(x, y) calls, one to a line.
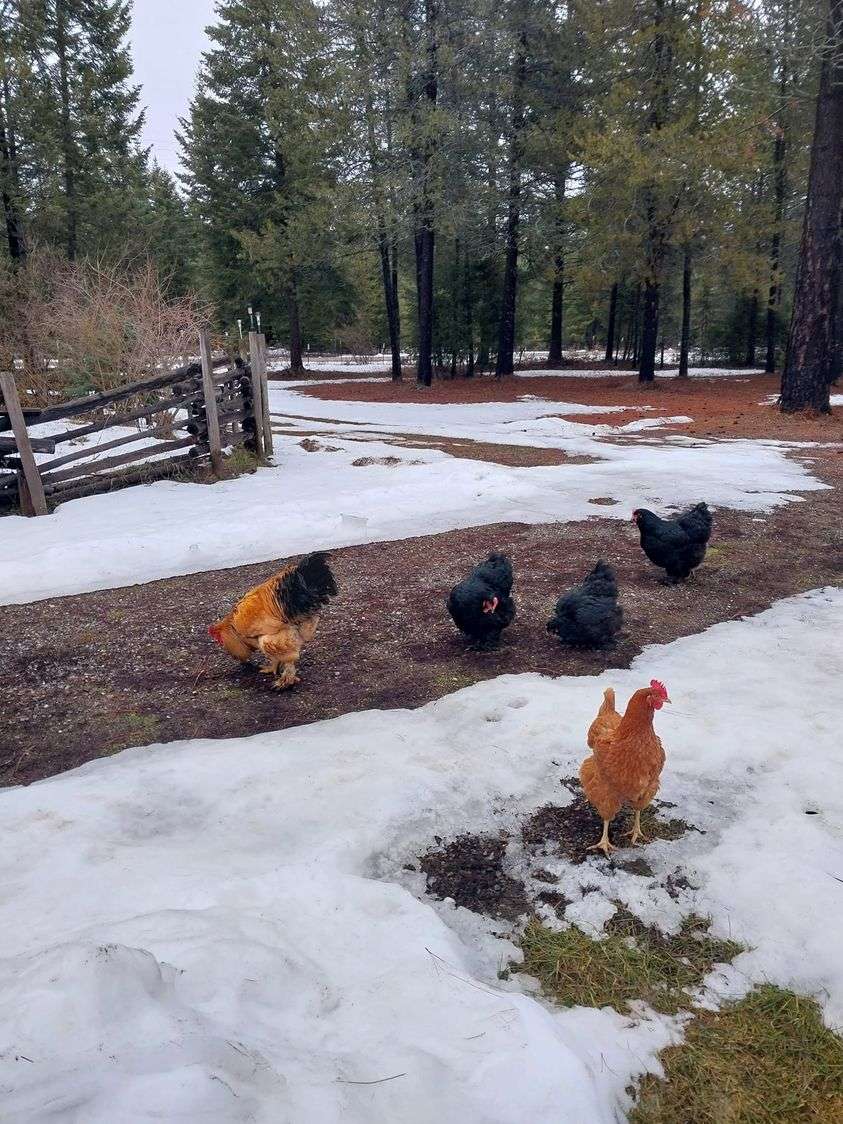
point(267, 420)
point(31, 475)
point(255, 357)
point(210, 393)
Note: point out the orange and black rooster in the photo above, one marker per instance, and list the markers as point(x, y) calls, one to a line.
point(626, 761)
point(278, 617)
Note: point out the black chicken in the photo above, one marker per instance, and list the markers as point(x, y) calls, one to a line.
point(589, 616)
point(481, 606)
point(678, 545)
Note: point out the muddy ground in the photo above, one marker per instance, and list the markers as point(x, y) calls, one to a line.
point(89, 675)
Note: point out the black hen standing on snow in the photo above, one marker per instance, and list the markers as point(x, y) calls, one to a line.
point(589, 616)
point(678, 545)
point(481, 606)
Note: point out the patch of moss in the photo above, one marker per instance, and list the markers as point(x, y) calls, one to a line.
point(767, 1059)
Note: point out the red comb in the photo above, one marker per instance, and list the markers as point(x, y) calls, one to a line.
point(659, 688)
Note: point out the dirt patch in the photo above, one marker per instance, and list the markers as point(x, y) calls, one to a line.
point(470, 871)
point(512, 456)
point(725, 406)
point(86, 676)
point(364, 462)
point(569, 830)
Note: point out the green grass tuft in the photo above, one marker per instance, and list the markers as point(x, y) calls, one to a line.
point(632, 962)
point(767, 1059)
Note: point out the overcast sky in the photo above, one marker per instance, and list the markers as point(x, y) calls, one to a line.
point(167, 37)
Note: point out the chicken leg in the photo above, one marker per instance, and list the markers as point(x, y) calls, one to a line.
point(603, 843)
point(636, 832)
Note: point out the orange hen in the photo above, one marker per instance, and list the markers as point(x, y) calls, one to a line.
point(626, 761)
point(278, 617)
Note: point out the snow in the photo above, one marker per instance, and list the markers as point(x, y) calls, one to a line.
point(225, 930)
point(312, 500)
point(91, 441)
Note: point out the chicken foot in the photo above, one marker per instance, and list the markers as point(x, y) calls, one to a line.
point(636, 832)
point(603, 843)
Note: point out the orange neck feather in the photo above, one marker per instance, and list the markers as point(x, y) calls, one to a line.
point(638, 712)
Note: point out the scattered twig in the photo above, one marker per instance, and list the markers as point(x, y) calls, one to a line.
point(377, 1081)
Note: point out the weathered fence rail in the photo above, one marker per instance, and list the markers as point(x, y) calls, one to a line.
point(178, 420)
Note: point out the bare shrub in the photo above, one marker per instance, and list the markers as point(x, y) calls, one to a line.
point(73, 327)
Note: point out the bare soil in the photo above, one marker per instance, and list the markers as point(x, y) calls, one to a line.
point(473, 870)
point(89, 675)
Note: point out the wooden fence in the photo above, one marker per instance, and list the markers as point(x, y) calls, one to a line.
point(187, 416)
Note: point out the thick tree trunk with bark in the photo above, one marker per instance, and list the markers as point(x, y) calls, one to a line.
point(810, 364)
point(685, 338)
point(610, 331)
point(509, 295)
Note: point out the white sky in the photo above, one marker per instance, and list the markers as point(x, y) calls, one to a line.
point(167, 38)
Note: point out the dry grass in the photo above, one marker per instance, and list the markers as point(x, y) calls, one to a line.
point(633, 962)
point(767, 1059)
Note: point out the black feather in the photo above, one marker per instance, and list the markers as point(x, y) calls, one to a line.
point(306, 589)
point(491, 579)
point(589, 616)
point(677, 545)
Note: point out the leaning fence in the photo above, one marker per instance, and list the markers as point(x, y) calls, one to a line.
point(156, 428)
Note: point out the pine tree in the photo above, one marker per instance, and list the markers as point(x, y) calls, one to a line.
point(260, 148)
point(88, 119)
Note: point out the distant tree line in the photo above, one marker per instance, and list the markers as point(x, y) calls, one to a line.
point(460, 178)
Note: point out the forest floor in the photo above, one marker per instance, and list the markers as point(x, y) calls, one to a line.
point(718, 406)
point(89, 675)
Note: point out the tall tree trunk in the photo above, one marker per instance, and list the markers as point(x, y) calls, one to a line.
point(509, 295)
point(610, 331)
point(779, 189)
point(67, 144)
point(810, 364)
point(649, 331)
point(389, 301)
point(9, 176)
point(379, 202)
point(686, 315)
point(656, 228)
point(425, 233)
point(468, 304)
point(752, 330)
point(296, 359)
point(554, 355)
point(393, 254)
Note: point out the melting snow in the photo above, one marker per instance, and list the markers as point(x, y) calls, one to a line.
point(224, 930)
point(319, 500)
